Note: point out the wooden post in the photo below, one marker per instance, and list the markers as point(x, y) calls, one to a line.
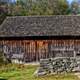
point(49, 49)
point(74, 49)
point(36, 50)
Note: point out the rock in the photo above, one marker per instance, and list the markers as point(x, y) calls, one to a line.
point(76, 69)
point(40, 72)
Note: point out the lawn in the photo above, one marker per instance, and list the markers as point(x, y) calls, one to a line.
point(20, 72)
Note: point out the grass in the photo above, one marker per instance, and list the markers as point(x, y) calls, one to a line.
point(20, 72)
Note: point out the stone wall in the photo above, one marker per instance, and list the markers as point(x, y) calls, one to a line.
point(58, 65)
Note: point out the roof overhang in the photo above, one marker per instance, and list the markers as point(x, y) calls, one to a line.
point(67, 37)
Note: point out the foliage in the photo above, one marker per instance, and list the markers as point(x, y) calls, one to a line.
point(38, 7)
point(1, 58)
point(3, 12)
point(2, 17)
point(44, 7)
point(59, 7)
point(74, 7)
point(33, 7)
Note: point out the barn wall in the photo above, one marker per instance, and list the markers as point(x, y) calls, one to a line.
point(34, 50)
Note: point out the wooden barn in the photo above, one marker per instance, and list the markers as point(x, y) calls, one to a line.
point(32, 38)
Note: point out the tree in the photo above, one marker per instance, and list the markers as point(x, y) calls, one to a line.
point(44, 7)
point(3, 10)
point(3, 13)
point(75, 7)
point(38, 7)
point(59, 7)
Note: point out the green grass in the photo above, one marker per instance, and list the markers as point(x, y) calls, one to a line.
point(20, 72)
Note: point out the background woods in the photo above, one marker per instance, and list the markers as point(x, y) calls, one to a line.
point(37, 7)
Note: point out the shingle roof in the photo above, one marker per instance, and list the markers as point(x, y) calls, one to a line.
point(40, 26)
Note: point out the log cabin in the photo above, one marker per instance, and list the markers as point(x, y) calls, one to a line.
point(31, 38)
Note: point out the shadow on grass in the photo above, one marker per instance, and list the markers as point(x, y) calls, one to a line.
point(3, 78)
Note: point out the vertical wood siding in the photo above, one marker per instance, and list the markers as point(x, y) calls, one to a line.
point(34, 50)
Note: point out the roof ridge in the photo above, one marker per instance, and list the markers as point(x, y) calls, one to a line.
point(42, 16)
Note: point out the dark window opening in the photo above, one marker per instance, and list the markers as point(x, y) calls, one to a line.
point(78, 54)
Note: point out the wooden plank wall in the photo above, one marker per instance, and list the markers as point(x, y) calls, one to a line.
point(34, 50)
